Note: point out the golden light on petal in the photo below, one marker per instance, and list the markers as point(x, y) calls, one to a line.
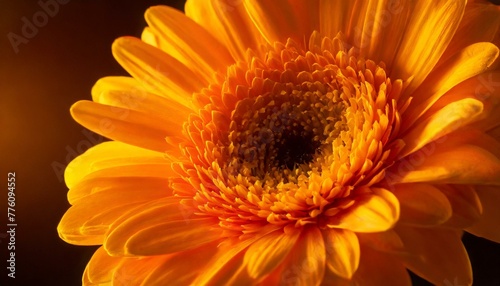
point(277, 144)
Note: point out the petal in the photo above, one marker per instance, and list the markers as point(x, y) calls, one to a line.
point(263, 256)
point(172, 236)
point(379, 269)
point(487, 226)
point(195, 46)
point(133, 234)
point(91, 216)
point(133, 271)
point(342, 252)
point(129, 93)
point(181, 268)
point(229, 22)
point(101, 267)
point(427, 35)
point(373, 28)
point(129, 126)
point(219, 267)
point(484, 87)
point(436, 255)
point(306, 265)
point(471, 61)
point(279, 20)
point(465, 203)
point(422, 204)
point(479, 24)
point(446, 120)
point(158, 72)
point(387, 241)
point(464, 164)
point(370, 213)
point(108, 155)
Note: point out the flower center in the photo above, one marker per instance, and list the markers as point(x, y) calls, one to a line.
point(289, 137)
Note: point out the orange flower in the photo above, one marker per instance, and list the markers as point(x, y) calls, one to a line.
point(294, 143)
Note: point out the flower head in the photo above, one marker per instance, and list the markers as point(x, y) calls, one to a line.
point(292, 142)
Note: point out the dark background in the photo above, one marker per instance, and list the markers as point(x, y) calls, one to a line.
point(55, 68)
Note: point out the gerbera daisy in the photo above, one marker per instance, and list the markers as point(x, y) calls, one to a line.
point(292, 142)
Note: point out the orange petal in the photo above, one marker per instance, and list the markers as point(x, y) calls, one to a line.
point(446, 120)
point(154, 213)
point(90, 218)
point(373, 28)
point(370, 213)
point(278, 20)
point(380, 269)
point(230, 251)
point(342, 252)
point(172, 236)
point(108, 155)
point(129, 126)
point(487, 226)
point(464, 164)
point(195, 46)
point(471, 61)
point(387, 241)
point(156, 70)
point(479, 24)
point(263, 256)
point(129, 93)
point(101, 267)
point(465, 203)
point(133, 271)
point(306, 264)
point(436, 255)
point(228, 22)
point(422, 204)
point(427, 35)
point(180, 268)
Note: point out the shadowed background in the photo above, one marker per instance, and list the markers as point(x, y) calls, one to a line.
point(40, 77)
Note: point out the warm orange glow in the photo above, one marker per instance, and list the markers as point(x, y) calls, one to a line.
point(337, 142)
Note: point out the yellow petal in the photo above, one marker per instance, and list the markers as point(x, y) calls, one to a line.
point(422, 204)
point(373, 28)
point(370, 213)
point(172, 236)
point(129, 93)
point(195, 46)
point(228, 22)
point(278, 20)
point(125, 125)
point(107, 155)
point(91, 216)
point(306, 265)
point(469, 62)
point(154, 213)
point(342, 252)
point(436, 255)
point(487, 226)
point(484, 87)
point(379, 269)
point(263, 256)
point(427, 35)
point(448, 119)
point(157, 71)
point(464, 164)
